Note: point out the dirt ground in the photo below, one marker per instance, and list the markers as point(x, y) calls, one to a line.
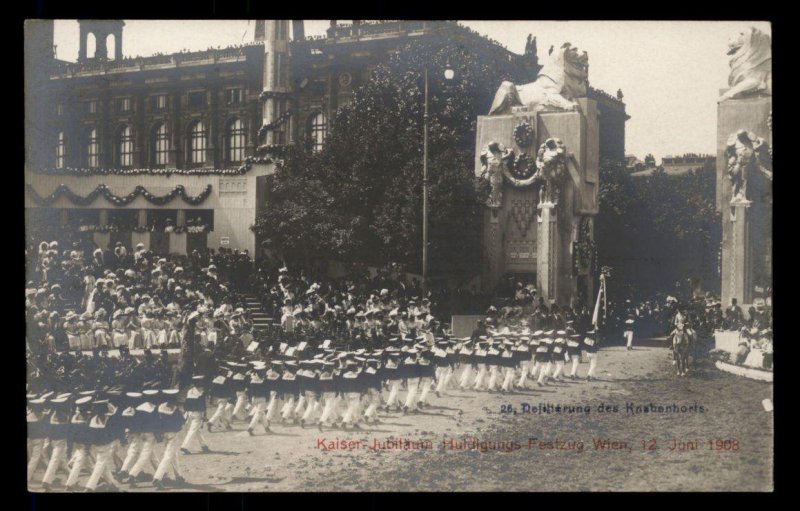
point(504, 455)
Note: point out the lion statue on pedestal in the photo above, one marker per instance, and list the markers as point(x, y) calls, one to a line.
point(563, 79)
point(751, 64)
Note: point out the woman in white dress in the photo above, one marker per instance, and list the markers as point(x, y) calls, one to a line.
point(100, 329)
point(118, 335)
point(160, 327)
point(148, 335)
point(73, 331)
point(173, 327)
point(133, 328)
point(85, 331)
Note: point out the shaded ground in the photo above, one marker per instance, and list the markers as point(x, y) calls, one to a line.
point(291, 459)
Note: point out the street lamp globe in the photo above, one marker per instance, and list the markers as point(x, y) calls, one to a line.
point(449, 74)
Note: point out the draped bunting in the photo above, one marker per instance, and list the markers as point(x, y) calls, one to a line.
point(262, 131)
point(273, 150)
point(116, 200)
point(268, 94)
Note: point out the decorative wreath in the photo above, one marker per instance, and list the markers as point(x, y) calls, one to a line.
point(520, 171)
point(523, 167)
point(523, 134)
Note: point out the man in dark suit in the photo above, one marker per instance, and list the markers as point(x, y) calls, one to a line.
point(733, 315)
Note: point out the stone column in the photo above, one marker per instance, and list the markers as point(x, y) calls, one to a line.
point(177, 240)
point(101, 50)
point(276, 75)
point(82, 47)
point(737, 262)
point(746, 229)
point(547, 252)
point(141, 237)
point(102, 239)
point(493, 257)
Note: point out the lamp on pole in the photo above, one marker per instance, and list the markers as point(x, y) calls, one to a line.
point(448, 74)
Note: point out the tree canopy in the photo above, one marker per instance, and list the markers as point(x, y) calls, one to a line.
point(658, 229)
point(360, 197)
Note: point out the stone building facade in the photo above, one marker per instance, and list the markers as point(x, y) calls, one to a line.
point(205, 123)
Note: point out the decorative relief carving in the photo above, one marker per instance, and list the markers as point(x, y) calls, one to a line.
point(747, 154)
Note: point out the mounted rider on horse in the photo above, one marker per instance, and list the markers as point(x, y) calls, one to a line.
point(684, 341)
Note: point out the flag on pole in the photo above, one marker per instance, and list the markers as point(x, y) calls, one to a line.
point(600, 296)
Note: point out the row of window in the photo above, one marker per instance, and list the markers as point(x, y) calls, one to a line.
point(235, 142)
point(124, 141)
point(159, 102)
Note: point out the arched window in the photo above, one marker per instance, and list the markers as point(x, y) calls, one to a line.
point(197, 143)
point(60, 151)
point(125, 146)
point(111, 46)
point(92, 148)
point(91, 45)
point(160, 145)
point(235, 140)
point(318, 128)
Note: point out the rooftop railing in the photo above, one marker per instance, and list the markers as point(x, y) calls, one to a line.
point(173, 59)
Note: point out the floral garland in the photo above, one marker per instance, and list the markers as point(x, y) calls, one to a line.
point(276, 150)
point(270, 94)
point(585, 246)
point(98, 228)
point(277, 123)
point(71, 171)
point(523, 134)
point(520, 172)
point(103, 190)
point(250, 160)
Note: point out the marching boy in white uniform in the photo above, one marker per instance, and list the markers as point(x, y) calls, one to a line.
point(195, 408)
point(170, 424)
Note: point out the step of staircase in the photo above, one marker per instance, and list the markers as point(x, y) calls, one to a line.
point(261, 320)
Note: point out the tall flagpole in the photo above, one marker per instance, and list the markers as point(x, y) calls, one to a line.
point(601, 298)
point(425, 190)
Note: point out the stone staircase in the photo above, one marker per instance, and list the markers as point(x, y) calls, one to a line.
point(261, 321)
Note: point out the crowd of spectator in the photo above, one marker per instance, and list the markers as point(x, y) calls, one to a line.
point(80, 298)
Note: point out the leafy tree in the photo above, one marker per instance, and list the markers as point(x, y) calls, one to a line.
point(360, 197)
point(658, 229)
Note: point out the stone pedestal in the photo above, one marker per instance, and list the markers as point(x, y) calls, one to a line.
point(547, 256)
point(529, 240)
point(746, 222)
